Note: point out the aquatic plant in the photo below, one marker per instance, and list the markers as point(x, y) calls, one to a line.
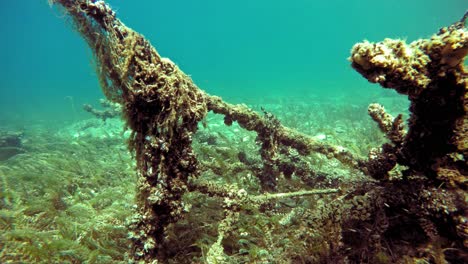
point(58, 207)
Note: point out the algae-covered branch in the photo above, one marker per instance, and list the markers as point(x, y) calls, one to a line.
point(432, 74)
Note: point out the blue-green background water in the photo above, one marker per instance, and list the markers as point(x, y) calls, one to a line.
point(242, 50)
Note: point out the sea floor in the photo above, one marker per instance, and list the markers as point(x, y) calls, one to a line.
point(68, 195)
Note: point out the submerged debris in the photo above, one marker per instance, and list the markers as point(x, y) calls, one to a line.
point(200, 199)
point(111, 110)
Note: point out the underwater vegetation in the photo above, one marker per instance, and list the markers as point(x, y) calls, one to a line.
point(65, 200)
point(68, 197)
point(213, 182)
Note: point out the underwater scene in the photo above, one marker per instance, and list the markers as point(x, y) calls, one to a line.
point(234, 131)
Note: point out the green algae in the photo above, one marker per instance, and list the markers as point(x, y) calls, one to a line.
point(59, 207)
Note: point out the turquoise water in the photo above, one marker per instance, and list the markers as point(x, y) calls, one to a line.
point(242, 50)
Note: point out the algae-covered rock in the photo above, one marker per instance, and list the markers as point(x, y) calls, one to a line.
point(10, 144)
